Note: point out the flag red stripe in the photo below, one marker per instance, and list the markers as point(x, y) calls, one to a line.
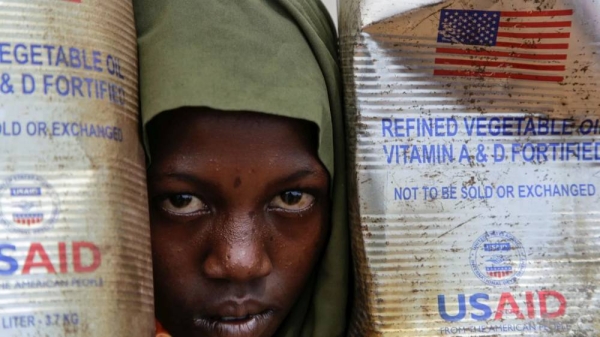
point(556, 24)
point(501, 54)
point(521, 14)
point(535, 35)
point(467, 73)
point(479, 63)
point(533, 45)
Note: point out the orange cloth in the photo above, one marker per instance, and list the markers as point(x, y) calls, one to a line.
point(160, 331)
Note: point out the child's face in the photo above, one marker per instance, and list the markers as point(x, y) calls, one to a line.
point(239, 215)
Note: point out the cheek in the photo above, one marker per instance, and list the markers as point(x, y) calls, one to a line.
point(171, 258)
point(299, 249)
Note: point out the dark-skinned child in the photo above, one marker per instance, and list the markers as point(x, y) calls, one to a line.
point(241, 108)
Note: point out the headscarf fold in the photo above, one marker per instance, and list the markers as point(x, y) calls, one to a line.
point(268, 56)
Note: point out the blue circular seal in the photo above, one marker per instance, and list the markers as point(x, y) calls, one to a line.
point(498, 258)
point(28, 204)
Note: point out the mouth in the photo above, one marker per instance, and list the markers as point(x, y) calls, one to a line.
point(236, 319)
point(248, 324)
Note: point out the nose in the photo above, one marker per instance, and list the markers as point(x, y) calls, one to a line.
point(238, 253)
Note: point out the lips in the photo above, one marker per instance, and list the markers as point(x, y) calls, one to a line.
point(235, 319)
point(240, 318)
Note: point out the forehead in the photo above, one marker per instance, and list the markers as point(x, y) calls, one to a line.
point(188, 135)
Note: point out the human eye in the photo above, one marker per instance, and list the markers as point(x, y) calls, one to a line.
point(182, 204)
point(292, 201)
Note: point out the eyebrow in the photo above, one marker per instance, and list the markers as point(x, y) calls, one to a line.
point(190, 178)
point(302, 173)
point(184, 177)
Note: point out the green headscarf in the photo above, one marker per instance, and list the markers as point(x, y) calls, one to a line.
point(270, 56)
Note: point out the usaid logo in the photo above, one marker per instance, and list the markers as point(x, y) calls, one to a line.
point(28, 204)
point(498, 258)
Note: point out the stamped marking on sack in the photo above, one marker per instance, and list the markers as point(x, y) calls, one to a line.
point(28, 204)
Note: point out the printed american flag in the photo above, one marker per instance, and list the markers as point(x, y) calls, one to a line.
point(499, 272)
point(529, 45)
point(28, 219)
